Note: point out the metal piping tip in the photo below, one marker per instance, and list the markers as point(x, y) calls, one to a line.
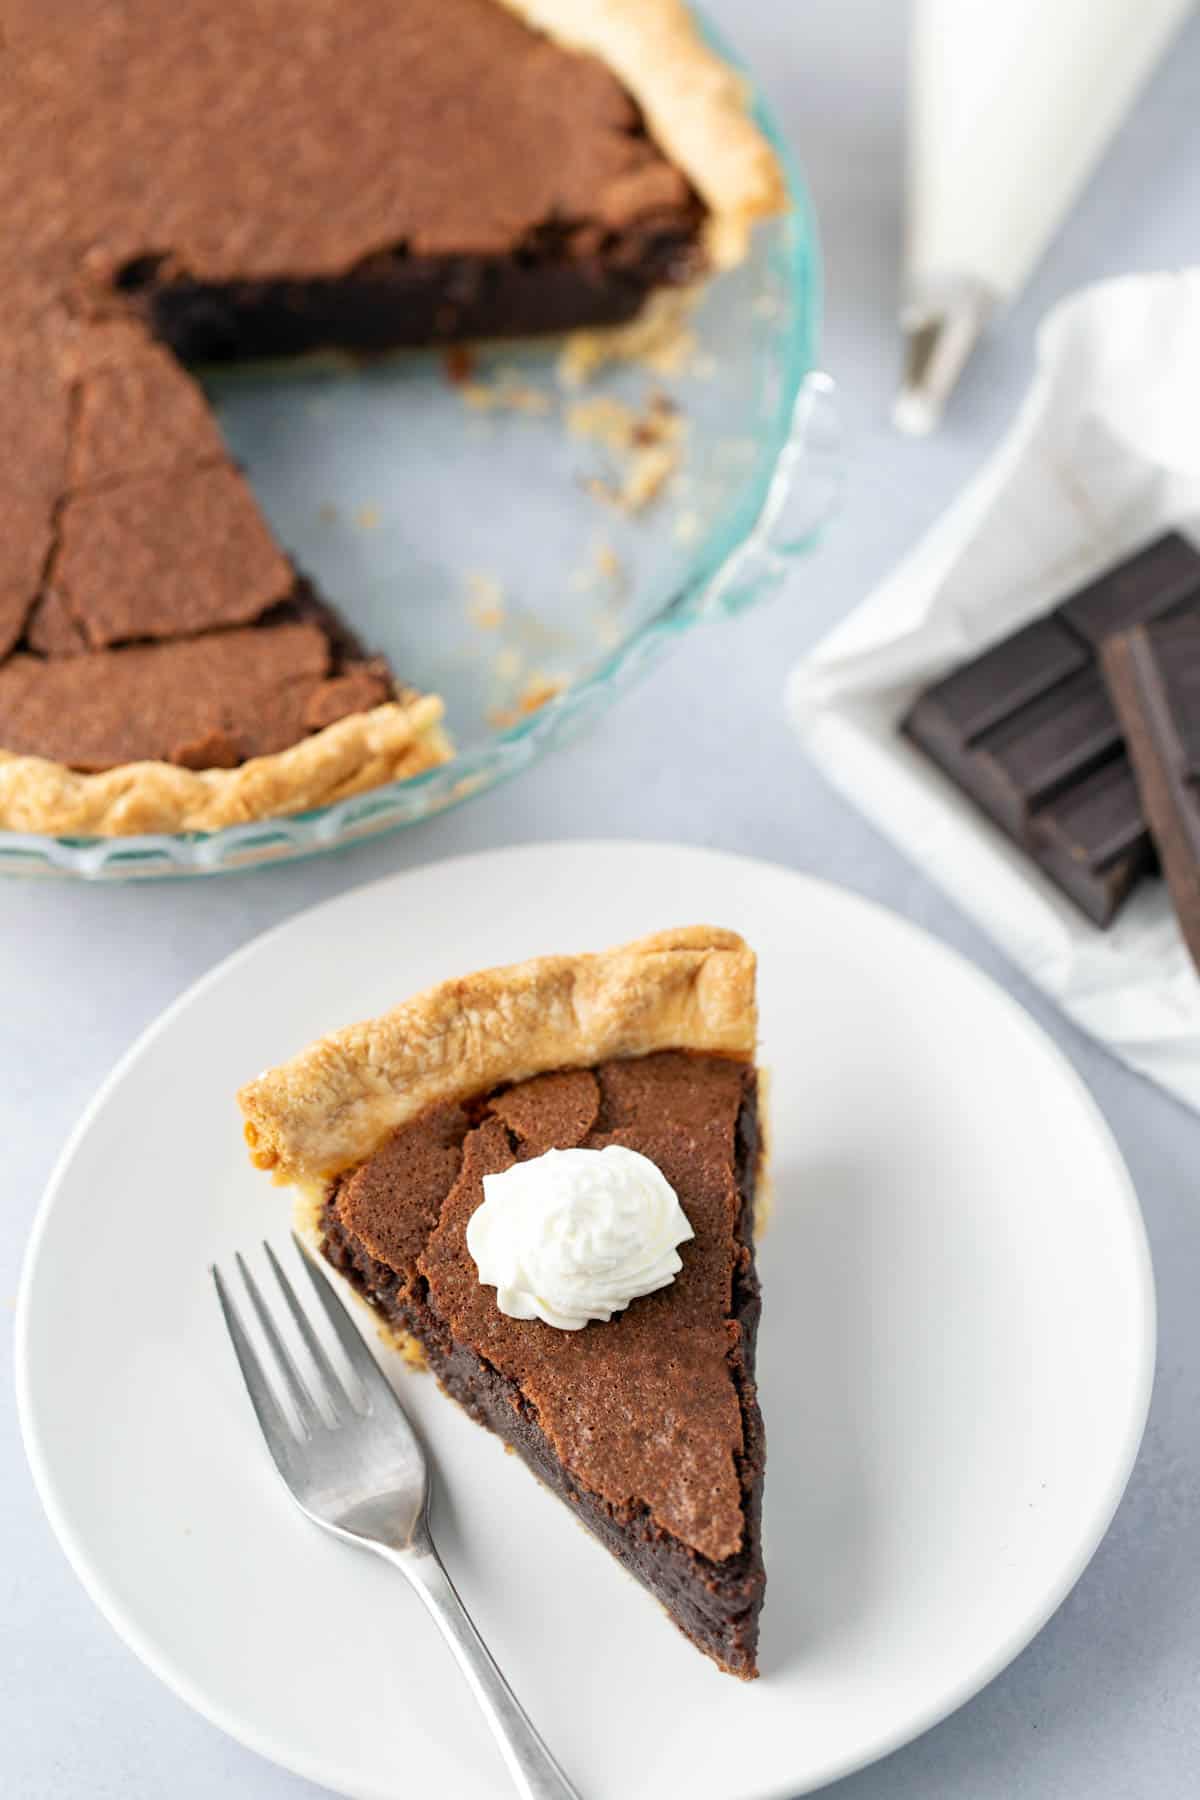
point(938, 339)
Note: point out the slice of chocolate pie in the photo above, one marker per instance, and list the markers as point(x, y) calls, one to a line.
point(543, 1178)
point(212, 181)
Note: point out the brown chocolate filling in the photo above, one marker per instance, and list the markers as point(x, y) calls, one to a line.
point(648, 1425)
point(205, 702)
point(396, 301)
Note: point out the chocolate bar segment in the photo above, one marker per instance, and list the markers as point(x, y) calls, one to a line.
point(993, 687)
point(1044, 747)
point(1144, 587)
point(1093, 840)
point(1153, 674)
point(1029, 732)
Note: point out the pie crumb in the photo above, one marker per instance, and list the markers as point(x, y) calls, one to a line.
point(602, 568)
point(649, 441)
point(650, 468)
point(458, 360)
point(610, 566)
point(648, 473)
point(603, 419)
point(661, 339)
point(621, 427)
point(367, 517)
point(537, 692)
point(485, 601)
point(506, 394)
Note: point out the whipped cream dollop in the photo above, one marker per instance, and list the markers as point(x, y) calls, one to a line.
point(574, 1235)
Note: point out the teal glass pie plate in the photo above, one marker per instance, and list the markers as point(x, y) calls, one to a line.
point(473, 524)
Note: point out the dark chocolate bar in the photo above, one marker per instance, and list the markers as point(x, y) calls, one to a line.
point(1153, 674)
point(1029, 732)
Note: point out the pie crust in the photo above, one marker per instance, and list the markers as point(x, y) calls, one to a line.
point(361, 751)
point(330, 1108)
point(693, 102)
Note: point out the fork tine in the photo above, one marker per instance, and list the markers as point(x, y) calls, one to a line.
point(293, 1381)
point(273, 1422)
point(335, 1391)
point(374, 1383)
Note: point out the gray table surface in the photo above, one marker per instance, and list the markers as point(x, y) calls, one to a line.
point(1105, 1703)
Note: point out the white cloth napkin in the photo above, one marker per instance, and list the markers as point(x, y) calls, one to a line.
point(1104, 454)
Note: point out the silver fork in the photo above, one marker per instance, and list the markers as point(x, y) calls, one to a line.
point(365, 1478)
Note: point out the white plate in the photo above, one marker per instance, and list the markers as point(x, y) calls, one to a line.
point(955, 1357)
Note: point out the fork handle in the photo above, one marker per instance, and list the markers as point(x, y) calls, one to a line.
point(535, 1774)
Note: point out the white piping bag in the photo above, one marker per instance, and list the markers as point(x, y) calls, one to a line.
point(1012, 103)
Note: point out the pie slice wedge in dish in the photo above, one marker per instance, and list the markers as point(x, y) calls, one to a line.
point(410, 1133)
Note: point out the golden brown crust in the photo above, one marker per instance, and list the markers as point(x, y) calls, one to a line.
point(362, 751)
point(334, 1104)
point(693, 102)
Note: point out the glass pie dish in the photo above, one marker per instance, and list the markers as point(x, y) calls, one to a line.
point(524, 547)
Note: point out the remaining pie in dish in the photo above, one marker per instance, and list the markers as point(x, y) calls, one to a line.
point(210, 181)
point(645, 1421)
